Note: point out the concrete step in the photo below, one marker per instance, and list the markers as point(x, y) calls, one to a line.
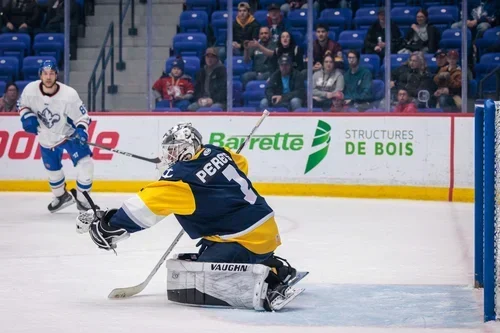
point(160, 38)
point(110, 12)
point(129, 53)
point(121, 102)
point(139, 21)
point(131, 65)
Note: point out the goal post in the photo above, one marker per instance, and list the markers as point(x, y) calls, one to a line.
point(486, 214)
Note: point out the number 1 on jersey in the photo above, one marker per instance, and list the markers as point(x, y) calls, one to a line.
point(231, 174)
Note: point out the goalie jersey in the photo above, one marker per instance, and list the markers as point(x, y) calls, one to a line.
point(211, 197)
point(58, 114)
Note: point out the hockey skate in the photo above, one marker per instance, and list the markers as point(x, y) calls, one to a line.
point(280, 296)
point(61, 202)
point(81, 205)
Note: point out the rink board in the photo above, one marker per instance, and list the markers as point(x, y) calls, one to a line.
point(362, 155)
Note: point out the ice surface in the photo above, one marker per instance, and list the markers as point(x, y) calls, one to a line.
point(375, 266)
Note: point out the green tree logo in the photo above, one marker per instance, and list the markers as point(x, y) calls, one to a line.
point(321, 141)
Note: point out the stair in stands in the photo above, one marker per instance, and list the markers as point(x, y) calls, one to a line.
point(132, 82)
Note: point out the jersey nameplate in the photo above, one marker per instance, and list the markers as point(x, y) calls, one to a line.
point(210, 169)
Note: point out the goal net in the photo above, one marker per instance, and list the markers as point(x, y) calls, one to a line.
point(486, 212)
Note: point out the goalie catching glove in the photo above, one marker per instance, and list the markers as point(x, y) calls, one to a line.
point(102, 233)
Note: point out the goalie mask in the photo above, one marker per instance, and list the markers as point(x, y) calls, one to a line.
point(180, 143)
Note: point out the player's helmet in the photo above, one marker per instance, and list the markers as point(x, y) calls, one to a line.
point(48, 64)
point(180, 143)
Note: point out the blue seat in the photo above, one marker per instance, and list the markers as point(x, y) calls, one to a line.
point(370, 61)
point(452, 38)
point(443, 14)
point(190, 44)
point(31, 65)
point(22, 84)
point(365, 17)
point(337, 19)
point(239, 66)
point(261, 17)
point(482, 69)
point(378, 89)
point(191, 65)
point(48, 44)
point(210, 109)
point(3, 84)
point(254, 93)
point(490, 58)
point(490, 37)
point(9, 68)
point(297, 20)
point(431, 62)
point(193, 21)
point(220, 31)
point(277, 109)
point(404, 16)
point(472, 91)
point(245, 109)
point(202, 5)
point(166, 109)
point(352, 39)
point(15, 45)
point(398, 60)
point(237, 92)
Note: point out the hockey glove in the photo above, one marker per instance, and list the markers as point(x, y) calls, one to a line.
point(30, 123)
point(104, 235)
point(81, 135)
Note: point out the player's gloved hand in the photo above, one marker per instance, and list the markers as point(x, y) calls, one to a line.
point(30, 123)
point(104, 235)
point(81, 135)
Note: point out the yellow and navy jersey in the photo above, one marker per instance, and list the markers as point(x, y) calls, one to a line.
point(211, 197)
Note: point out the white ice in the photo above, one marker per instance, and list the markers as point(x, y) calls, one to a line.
point(375, 266)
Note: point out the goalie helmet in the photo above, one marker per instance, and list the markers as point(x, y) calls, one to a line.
point(180, 143)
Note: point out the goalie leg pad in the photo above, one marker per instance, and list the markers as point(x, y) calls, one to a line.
point(217, 284)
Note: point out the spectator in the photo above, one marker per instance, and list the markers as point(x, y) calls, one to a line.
point(175, 87)
point(9, 100)
point(413, 77)
point(260, 52)
point(323, 45)
point(375, 37)
point(21, 16)
point(422, 36)
point(210, 88)
point(326, 82)
point(449, 84)
point(245, 28)
point(285, 88)
point(441, 58)
point(275, 21)
point(287, 46)
point(323, 4)
point(481, 18)
point(338, 104)
point(357, 83)
point(297, 4)
point(404, 104)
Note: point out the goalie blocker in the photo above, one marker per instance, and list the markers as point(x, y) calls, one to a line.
point(247, 286)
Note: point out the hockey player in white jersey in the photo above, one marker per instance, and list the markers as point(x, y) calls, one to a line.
point(55, 112)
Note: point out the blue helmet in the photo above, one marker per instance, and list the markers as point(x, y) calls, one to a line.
point(48, 64)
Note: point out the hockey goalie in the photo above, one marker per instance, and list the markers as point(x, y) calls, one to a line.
point(207, 189)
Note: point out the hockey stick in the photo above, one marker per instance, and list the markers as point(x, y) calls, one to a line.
point(131, 291)
point(155, 160)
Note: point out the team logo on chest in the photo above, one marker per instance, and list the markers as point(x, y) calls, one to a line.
point(48, 118)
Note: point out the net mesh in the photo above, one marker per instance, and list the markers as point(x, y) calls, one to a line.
point(497, 210)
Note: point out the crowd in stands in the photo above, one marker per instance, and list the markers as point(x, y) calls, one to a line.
point(32, 31)
point(269, 50)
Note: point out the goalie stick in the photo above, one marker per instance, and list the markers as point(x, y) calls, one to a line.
point(131, 291)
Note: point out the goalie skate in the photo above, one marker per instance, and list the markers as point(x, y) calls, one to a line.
point(298, 276)
point(281, 296)
point(80, 205)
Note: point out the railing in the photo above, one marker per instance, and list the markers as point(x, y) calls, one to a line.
point(495, 72)
point(104, 59)
point(132, 31)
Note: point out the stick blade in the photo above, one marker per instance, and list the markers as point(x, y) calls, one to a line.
point(118, 293)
